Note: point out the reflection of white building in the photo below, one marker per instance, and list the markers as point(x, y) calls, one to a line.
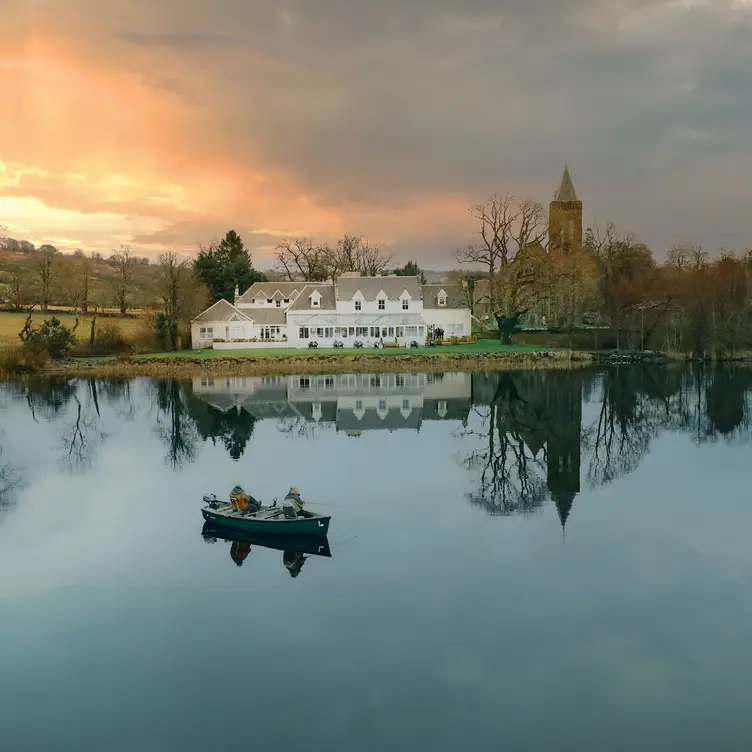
point(354, 308)
point(353, 402)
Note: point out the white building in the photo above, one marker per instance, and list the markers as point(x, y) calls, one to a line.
point(352, 309)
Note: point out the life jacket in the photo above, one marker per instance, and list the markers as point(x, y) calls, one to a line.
point(240, 501)
point(239, 550)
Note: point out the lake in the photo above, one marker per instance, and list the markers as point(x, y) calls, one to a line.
point(531, 561)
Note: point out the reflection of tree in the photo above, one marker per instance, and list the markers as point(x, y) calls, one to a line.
point(506, 459)
point(117, 393)
point(234, 428)
point(47, 398)
point(175, 426)
point(11, 482)
point(82, 435)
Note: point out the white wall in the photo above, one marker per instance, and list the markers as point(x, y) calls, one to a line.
point(446, 317)
point(228, 330)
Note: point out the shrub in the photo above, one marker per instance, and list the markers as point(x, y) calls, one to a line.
point(108, 340)
point(53, 338)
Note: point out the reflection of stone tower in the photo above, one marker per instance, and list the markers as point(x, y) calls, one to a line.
point(565, 217)
point(564, 415)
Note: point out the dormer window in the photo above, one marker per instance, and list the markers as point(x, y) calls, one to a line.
point(269, 301)
point(358, 305)
point(405, 304)
point(442, 299)
point(287, 300)
point(315, 299)
point(382, 304)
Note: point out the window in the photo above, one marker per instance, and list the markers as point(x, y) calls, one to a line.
point(391, 331)
point(202, 332)
point(382, 405)
point(442, 408)
point(279, 304)
point(209, 332)
point(405, 404)
point(358, 404)
point(361, 331)
point(375, 331)
point(329, 382)
point(384, 332)
point(411, 331)
point(287, 300)
point(442, 301)
point(211, 382)
point(303, 332)
point(269, 301)
point(399, 331)
point(204, 382)
point(405, 304)
point(316, 410)
point(304, 382)
point(328, 332)
point(352, 331)
point(358, 305)
point(421, 333)
point(320, 331)
point(382, 304)
point(376, 381)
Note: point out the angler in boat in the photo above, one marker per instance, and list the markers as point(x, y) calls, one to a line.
point(246, 513)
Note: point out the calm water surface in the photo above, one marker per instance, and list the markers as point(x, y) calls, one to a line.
point(534, 561)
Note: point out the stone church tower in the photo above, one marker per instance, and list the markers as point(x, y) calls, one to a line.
point(565, 217)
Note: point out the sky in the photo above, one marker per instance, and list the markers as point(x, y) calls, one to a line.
point(164, 123)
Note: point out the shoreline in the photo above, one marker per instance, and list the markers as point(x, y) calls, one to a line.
point(186, 367)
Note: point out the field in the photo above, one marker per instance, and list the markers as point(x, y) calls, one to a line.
point(12, 323)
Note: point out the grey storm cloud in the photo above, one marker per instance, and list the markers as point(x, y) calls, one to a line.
point(383, 102)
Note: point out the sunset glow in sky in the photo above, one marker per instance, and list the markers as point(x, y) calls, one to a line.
point(163, 123)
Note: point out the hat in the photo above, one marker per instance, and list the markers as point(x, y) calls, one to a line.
point(293, 490)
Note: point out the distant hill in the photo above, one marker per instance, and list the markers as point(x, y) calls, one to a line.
point(21, 278)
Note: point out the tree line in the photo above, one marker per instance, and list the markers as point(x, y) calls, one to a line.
point(691, 303)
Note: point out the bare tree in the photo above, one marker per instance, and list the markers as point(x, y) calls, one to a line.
point(124, 264)
point(303, 257)
point(510, 247)
point(355, 253)
point(180, 295)
point(45, 263)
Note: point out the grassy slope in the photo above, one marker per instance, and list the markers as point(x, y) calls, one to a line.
point(12, 323)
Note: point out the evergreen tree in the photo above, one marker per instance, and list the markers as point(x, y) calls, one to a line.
point(224, 266)
point(411, 269)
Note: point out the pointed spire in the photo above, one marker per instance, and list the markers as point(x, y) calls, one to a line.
point(566, 188)
point(564, 502)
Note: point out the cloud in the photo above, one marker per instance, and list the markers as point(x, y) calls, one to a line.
point(378, 118)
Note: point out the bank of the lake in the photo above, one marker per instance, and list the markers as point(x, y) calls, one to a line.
point(260, 363)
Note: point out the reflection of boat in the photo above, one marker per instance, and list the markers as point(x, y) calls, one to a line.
point(267, 520)
point(300, 544)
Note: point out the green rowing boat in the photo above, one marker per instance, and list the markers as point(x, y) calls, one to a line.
point(268, 520)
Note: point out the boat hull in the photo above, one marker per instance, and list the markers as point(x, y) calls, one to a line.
point(301, 526)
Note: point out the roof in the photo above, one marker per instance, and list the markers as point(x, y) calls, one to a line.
point(370, 420)
point(455, 296)
point(221, 311)
point(275, 316)
point(566, 188)
point(370, 287)
point(303, 301)
point(273, 291)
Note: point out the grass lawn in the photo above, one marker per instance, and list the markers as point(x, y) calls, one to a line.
point(481, 347)
point(12, 323)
